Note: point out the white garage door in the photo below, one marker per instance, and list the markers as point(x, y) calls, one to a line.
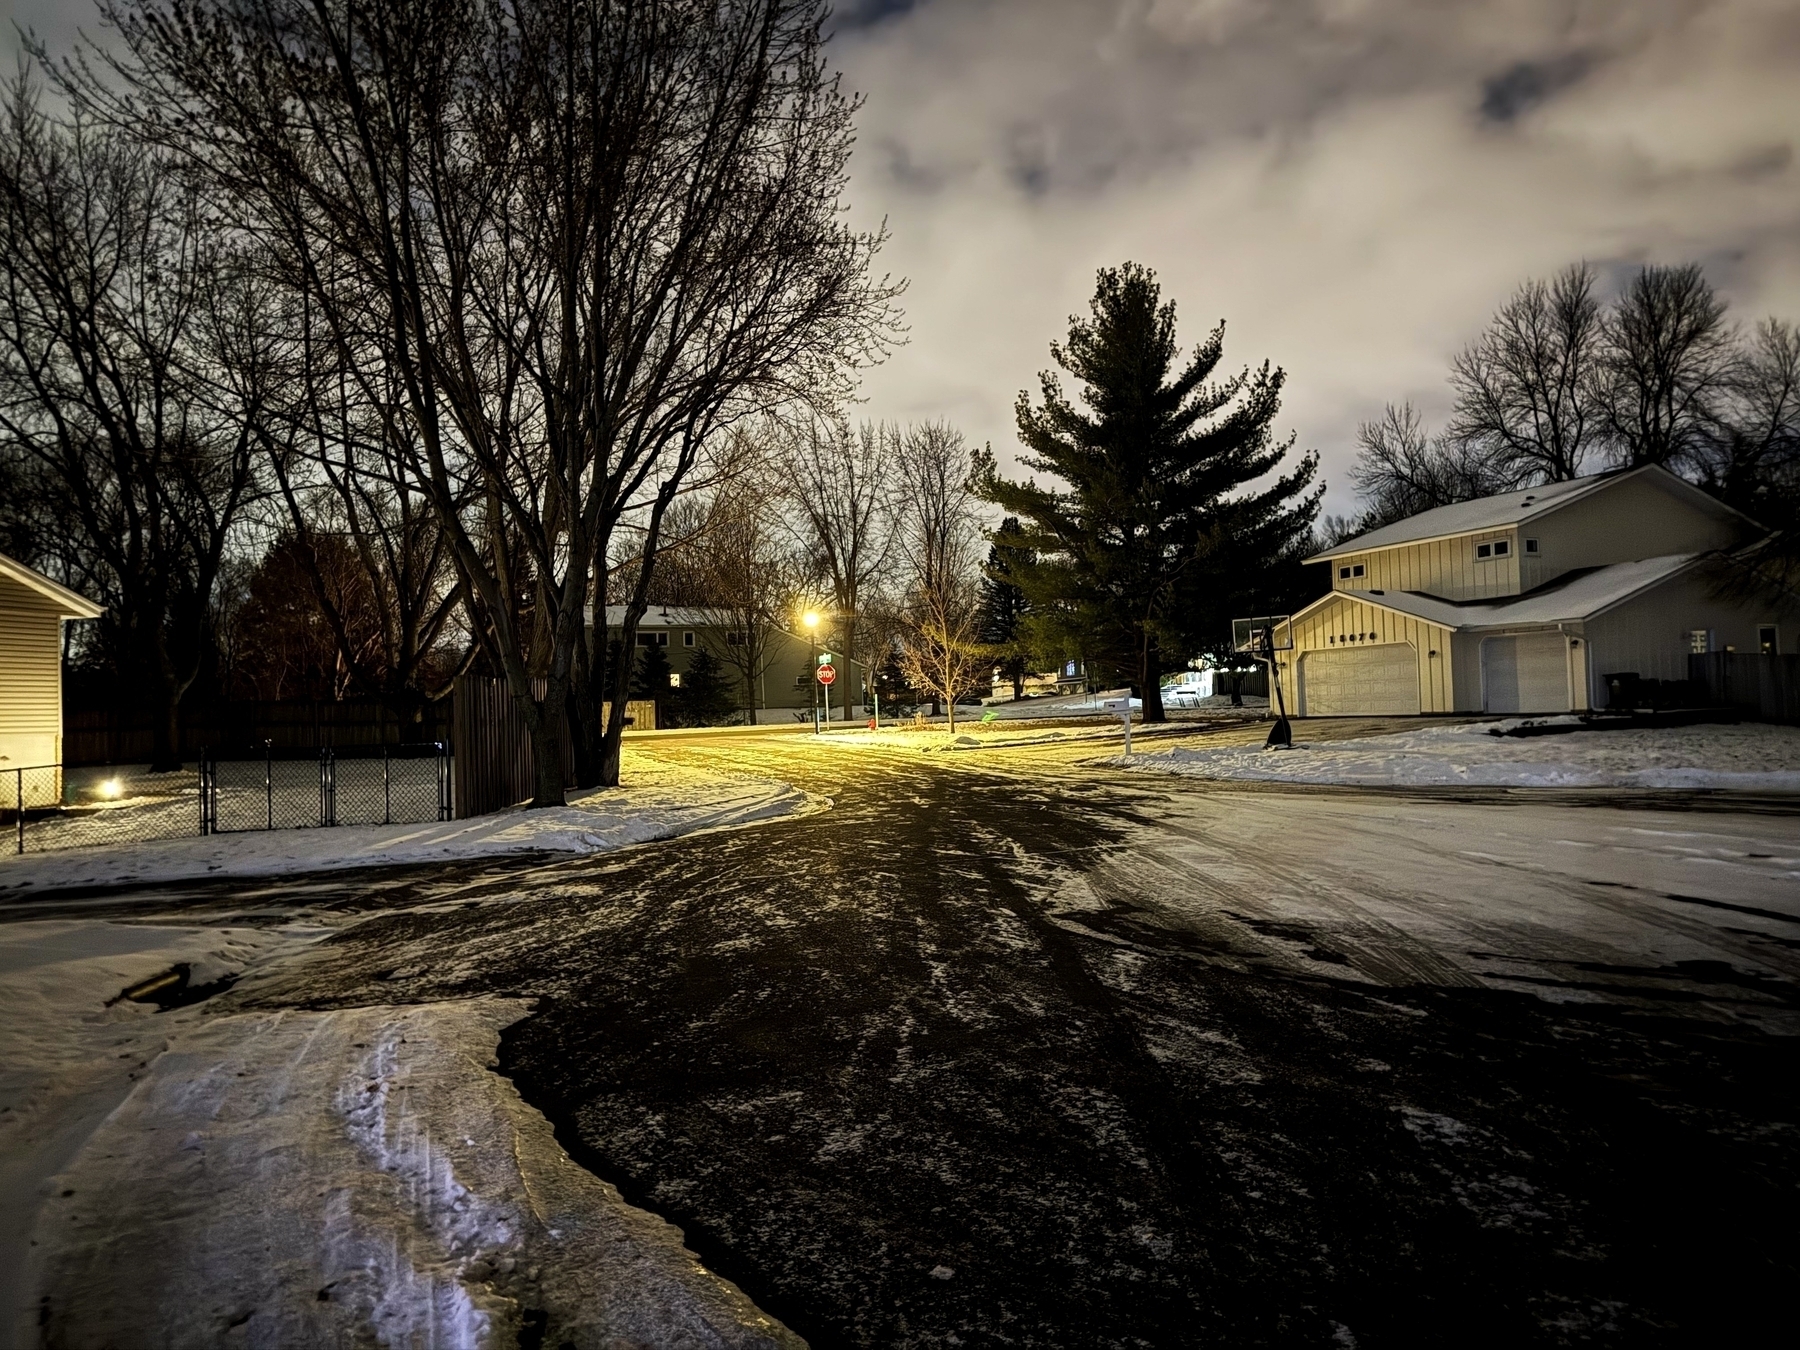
point(1525, 674)
point(1379, 681)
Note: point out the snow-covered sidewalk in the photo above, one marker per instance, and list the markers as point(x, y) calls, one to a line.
point(1749, 757)
point(658, 801)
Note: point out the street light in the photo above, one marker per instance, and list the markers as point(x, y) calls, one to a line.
point(811, 620)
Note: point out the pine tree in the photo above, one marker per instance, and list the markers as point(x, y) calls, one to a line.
point(1151, 534)
point(650, 679)
point(1003, 607)
point(706, 697)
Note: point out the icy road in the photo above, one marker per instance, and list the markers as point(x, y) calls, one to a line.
point(1010, 1049)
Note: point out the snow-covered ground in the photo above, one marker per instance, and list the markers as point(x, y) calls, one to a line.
point(658, 801)
point(1748, 757)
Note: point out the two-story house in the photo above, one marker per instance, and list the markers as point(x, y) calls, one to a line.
point(786, 686)
point(1525, 602)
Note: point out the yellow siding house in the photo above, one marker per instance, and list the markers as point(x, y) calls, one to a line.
point(32, 611)
point(1526, 602)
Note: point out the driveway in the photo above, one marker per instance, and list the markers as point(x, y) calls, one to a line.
point(1006, 1048)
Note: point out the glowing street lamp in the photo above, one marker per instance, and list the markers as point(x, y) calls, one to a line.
point(811, 620)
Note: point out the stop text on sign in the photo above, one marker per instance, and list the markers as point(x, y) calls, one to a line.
point(827, 674)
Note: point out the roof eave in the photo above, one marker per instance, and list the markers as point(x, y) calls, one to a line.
point(72, 604)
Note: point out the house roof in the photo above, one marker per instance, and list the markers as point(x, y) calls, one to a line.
point(69, 604)
point(672, 616)
point(1510, 508)
point(1575, 596)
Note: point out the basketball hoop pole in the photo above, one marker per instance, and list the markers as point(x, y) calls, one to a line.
point(1281, 735)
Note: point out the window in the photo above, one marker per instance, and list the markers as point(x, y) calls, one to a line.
point(1502, 547)
point(1700, 641)
point(1768, 640)
point(653, 639)
point(1354, 570)
point(674, 679)
point(1531, 546)
point(739, 639)
point(1484, 550)
point(687, 639)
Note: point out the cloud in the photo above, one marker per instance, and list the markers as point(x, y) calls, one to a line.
point(1354, 185)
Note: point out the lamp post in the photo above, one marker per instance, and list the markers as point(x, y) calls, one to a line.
point(811, 620)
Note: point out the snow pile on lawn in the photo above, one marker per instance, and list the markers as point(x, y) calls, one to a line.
point(1753, 758)
point(328, 1178)
point(658, 801)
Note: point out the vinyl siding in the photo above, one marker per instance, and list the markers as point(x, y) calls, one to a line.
point(1637, 518)
point(1648, 634)
point(1341, 616)
point(1441, 567)
point(30, 678)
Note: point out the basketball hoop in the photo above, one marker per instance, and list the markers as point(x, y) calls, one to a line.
point(1262, 637)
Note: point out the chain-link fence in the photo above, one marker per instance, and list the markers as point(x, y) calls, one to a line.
point(52, 807)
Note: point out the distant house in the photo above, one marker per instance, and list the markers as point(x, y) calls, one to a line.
point(786, 686)
point(1525, 602)
point(33, 609)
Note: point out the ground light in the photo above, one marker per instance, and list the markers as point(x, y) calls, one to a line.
point(111, 789)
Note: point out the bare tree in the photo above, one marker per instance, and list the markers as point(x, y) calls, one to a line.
point(841, 484)
point(751, 579)
point(1666, 364)
point(940, 538)
point(116, 305)
point(1524, 389)
point(587, 239)
point(1753, 461)
point(1401, 471)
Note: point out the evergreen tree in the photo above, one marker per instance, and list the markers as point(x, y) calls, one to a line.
point(1152, 535)
point(650, 679)
point(706, 697)
point(1003, 607)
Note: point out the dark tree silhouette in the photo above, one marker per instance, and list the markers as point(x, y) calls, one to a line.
point(1003, 605)
point(1151, 529)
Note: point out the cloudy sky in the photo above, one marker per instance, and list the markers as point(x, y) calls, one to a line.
point(1353, 185)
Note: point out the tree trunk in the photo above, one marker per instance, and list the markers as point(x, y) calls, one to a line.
point(1018, 680)
point(545, 721)
point(1151, 692)
point(165, 754)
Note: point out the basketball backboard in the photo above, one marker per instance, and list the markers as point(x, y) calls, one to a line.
point(1266, 633)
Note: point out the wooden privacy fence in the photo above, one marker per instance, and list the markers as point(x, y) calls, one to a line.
point(111, 736)
point(492, 746)
point(1768, 686)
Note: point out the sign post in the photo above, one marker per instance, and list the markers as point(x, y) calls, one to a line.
point(827, 674)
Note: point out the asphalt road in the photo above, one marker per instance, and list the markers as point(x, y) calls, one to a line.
point(1004, 1049)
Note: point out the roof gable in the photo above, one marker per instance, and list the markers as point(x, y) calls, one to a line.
point(1516, 508)
point(69, 604)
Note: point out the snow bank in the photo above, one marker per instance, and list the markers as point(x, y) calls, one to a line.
point(658, 801)
point(1751, 758)
point(315, 1178)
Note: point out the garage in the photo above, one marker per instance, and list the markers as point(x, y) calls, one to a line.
point(1377, 681)
point(1525, 673)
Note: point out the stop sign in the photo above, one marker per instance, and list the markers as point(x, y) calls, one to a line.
point(827, 674)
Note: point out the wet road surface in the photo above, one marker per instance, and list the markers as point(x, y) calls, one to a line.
point(1007, 1050)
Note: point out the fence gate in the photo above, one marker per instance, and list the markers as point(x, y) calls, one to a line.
point(279, 790)
point(494, 765)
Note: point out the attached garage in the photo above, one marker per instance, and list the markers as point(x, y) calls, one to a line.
point(1525, 673)
point(1376, 681)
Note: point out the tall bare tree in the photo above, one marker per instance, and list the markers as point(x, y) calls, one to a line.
point(586, 239)
point(841, 485)
point(1401, 470)
point(1665, 366)
point(1525, 388)
point(118, 401)
point(940, 538)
